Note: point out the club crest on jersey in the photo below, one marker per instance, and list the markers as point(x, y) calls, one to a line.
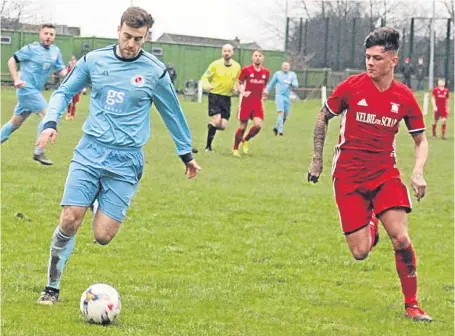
point(394, 107)
point(263, 76)
point(251, 75)
point(138, 81)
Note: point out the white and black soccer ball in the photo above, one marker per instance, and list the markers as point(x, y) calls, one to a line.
point(100, 304)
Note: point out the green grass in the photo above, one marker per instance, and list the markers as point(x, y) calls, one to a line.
point(247, 248)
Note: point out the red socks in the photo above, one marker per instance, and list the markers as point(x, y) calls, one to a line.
point(253, 131)
point(406, 265)
point(238, 138)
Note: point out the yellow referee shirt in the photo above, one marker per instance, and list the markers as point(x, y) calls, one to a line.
point(221, 77)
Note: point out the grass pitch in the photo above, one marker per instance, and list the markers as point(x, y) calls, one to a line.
point(247, 248)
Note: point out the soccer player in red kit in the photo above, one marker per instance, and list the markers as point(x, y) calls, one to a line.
point(71, 113)
point(365, 178)
point(440, 100)
point(251, 85)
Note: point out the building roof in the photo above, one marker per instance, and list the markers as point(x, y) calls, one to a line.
point(206, 41)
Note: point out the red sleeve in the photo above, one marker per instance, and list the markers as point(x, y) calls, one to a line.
point(413, 117)
point(337, 101)
point(447, 93)
point(243, 74)
point(433, 92)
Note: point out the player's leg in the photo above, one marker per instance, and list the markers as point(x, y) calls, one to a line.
point(280, 114)
point(435, 124)
point(443, 127)
point(81, 188)
point(355, 212)
point(243, 124)
point(38, 153)
point(391, 203)
point(13, 124)
point(68, 112)
point(257, 126)
point(117, 188)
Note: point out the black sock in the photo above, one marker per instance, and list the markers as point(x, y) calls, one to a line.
point(210, 135)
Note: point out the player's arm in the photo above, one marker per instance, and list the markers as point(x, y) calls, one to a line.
point(168, 106)
point(433, 101)
point(420, 158)
point(416, 127)
point(208, 76)
point(295, 82)
point(447, 102)
point(76, 80)
point(60, 66)
point(23, 54)
point(272, 83)
point(319, 135)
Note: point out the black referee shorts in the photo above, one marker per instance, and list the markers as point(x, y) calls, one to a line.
point(219, 104)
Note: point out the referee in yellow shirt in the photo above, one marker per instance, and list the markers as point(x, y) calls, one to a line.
point(219, 80)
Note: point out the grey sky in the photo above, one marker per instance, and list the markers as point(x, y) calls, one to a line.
point(240, 18)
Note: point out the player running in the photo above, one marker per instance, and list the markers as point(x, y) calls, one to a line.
point(285, 80)
point(365, 177)
point(440, 100)
point(37, 61)
point(251, 86)
point(108, 162)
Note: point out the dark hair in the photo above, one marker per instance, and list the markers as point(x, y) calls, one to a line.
point(386, 37)
point(258, 50)
point(136, 17)
point(47, 25)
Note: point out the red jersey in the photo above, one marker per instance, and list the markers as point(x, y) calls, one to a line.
point(441, 96)
point(369, 124)
point(255, 81)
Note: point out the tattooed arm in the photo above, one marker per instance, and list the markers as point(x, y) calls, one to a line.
point(320, 132)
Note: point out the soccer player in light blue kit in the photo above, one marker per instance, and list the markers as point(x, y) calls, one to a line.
point(285, 80)
point(108, 161)
point(37, 61)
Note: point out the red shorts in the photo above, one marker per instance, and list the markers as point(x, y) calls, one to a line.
point(76, 98)
point(357, 202)
point(248, 110)
point(440, 113)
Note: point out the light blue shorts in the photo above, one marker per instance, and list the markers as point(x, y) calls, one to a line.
point(109, 174)
point(34, 102)
point(282, 104)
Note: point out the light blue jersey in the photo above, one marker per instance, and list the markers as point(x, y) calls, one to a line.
point(121, 97)
point(37, 62)
point(282, 88)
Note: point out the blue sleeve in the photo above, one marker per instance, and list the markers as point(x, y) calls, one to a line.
point(272, 82)
point(59, 65)
point(295, 82)
point(168, 106)
point(74, 82)
point(24, 54)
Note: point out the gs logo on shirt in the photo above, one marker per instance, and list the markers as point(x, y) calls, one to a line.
point(115, 99)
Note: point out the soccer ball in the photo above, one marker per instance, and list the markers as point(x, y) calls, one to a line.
point(100, 304)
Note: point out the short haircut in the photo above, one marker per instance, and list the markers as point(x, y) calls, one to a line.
point(386, 37)
point(258, 50)
point(47, 25)
point(136, 17)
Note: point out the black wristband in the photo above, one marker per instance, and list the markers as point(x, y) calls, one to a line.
point(186, 157)
point(50, 124)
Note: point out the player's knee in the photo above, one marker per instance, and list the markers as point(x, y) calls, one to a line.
point(69, 222)
point(359, 253)
point(221, 127)
point(401, 241)
point(104, 238)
